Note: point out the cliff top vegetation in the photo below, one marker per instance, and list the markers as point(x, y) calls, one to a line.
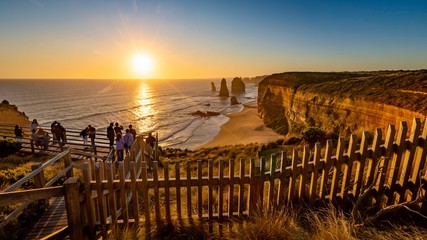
point(404, 89)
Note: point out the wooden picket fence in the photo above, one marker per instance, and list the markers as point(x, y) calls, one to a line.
point(136, 191)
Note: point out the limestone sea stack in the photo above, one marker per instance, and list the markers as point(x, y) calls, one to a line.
point(213, 88)
point(233, 100)
point(223, 91)
point(237, 85)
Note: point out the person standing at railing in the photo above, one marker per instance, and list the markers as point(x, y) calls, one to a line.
point(132, 131)
point(18, 133)
point(60, 133)
point(118, 129)
point(120, 146)
point(110, 134)
point(83, 134)
point(52, 130)
point(128, 140)
point(92, 133)
point(34, 125)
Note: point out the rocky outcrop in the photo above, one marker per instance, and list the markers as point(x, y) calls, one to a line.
point(223, 91)
point(10, 114)
point(347, 102)
point(233, 100)
point(237, 85)
point(213, 88)
point(205, 114)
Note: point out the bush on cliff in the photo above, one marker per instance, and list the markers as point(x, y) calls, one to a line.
point(9, 146)
point(312, 134)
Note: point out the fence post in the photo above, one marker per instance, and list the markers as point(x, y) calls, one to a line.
point(72, 204)
point(39, 180)
point(32, 145)
point(67, 163)
point(254, 172)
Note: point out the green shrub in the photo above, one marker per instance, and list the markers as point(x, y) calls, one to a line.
point(312, 134)
point(292, 141)
point(9, 146)
point(280, 141)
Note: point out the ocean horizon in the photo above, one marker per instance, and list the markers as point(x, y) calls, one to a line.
point(162, 106)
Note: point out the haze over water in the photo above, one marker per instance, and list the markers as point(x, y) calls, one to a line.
point(164, 106)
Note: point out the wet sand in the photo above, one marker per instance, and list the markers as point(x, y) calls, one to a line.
point(243, 128)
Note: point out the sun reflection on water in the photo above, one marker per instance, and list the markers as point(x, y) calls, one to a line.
point(145, 112)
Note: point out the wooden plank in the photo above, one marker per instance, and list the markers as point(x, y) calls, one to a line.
point(337, 169)
point(373, 167)
point(348, 166)
point(240, 203)
point(221, 190)
point(189, 207)
point(292, 178)
point(261, 183)
point(122, 194)
point(199, 189)
point(419, 160)
point(111, 193)
point(178, 189)
point(388, 145)
point(271, 185)
point(72, 200)
point(90, 210)
point(283, 163)
point(358, 181)
point(395, 161)
point(10, 198)
point(135, 202)
point(303, 177)
point(145, 197)
point(231, 187)
point(156, 190)
point(409, 158)
point(210, 189)
point(314, 175)
point(167, 192)
point(101, 202)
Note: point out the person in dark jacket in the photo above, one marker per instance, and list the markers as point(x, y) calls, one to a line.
point(110, 134)
point(60, 133)
point(92, 133)
point(83, 134)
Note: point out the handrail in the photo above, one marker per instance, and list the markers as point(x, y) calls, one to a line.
point(9, 198)
point(35, 172)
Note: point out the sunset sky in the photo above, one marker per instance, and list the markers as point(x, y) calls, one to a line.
point(208, 39)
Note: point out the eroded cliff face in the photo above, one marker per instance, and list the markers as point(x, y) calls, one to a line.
point(11, 114)
point(342, 102)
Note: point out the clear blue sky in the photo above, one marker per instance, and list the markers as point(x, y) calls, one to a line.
point(201, 39)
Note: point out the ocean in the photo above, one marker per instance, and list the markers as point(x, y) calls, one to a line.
point(162, 106)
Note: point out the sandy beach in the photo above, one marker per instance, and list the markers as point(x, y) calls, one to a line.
point(243, 128)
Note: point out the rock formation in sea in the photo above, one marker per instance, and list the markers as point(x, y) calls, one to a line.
point(223, 91)
point(205, 114)
point(233, 100)
point(237, 85)
point(342, 102)
point(213, 88)
point(10, 114)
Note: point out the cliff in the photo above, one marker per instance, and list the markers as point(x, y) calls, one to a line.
point(342, 102)
point(11, 114)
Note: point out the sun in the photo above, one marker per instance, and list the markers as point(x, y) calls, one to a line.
point(142, 64)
